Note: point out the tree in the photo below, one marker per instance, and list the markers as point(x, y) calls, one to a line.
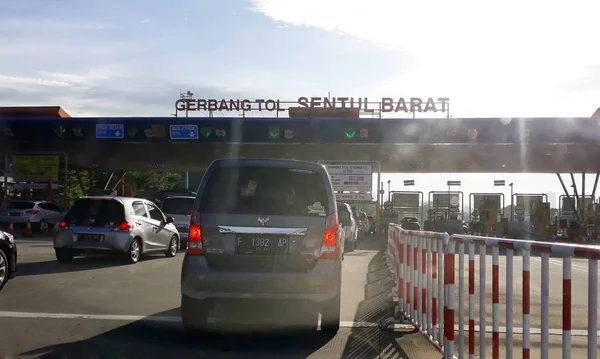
point(92, 182)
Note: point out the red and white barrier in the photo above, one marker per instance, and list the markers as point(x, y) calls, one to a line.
point(420, 259)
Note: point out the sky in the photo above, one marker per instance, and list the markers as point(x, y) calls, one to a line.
point(132, 58)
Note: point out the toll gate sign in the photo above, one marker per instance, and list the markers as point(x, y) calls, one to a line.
point(443, 201)
point(357, 177)
point(529, 201)
point(488, 201)
point(406, 200)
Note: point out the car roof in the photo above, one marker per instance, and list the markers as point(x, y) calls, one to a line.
point(117, 198)
point(186, 197)
point(274, 162)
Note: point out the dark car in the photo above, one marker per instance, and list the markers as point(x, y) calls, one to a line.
point(8, 258)
point(263, 230)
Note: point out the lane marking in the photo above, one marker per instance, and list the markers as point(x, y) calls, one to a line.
point(535, 331)
point(136, 318)
point(559, 263)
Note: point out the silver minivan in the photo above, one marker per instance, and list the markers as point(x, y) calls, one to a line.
point(130, 226)
point(179, 207)
point(263, 229)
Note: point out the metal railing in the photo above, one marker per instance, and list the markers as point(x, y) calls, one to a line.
point(425, 266)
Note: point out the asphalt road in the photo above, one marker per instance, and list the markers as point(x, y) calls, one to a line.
point(103, 308)
point(579, 312)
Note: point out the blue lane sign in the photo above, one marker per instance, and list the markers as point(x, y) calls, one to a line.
point(184, 132)
point(105, 130)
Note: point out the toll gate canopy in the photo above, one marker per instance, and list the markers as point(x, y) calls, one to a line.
point(400, 145)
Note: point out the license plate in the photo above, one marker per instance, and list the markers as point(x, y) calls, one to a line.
point(91, 238)
point(262, 244)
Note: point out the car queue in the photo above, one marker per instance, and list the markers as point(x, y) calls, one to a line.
point(257, 229)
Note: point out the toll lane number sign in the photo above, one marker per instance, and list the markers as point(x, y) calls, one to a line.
point(183, 132)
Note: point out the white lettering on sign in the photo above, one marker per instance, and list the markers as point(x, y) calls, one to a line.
point(349, 169)
point(351, 197)
point(351, 177)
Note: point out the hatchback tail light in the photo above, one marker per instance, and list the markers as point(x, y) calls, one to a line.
point(32, 211)
point(330, 248)
point(62, 224)
point(124, 226)
point(194, 242)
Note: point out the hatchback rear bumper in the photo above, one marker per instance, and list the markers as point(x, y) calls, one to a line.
point(118, 242)
point(320, 284)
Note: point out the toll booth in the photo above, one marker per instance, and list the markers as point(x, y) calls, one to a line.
point(487, 217)
point(531, 212)
point(445, 212)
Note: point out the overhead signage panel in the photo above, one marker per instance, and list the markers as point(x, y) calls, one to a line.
point(112, 131)
point(312, 130)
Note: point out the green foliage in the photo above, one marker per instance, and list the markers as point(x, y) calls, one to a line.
point(93, 182)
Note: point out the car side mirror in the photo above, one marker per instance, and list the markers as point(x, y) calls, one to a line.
point(170, 220)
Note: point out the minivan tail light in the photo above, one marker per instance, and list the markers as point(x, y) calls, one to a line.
point(194, 242)
point(330, 248)
point(124, 226)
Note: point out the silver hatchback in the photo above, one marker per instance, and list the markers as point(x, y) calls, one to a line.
point(263, 230)
point(131, 226)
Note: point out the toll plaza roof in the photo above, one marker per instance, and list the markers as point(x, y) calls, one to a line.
point(35, 111)
point(400, 145)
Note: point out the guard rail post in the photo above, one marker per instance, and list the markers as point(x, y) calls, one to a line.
point(449, 274)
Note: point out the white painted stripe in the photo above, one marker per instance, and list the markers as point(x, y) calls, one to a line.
point(516, 330)
point(133, 318)
point(533, 331)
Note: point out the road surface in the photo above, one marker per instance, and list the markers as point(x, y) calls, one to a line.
point(104, 308)
point(579, 305)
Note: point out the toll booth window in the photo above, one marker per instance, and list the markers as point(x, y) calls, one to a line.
point(265, 191)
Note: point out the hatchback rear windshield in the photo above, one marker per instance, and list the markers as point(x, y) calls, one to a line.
point(177, 205)
point(265, 191)
point(20, 205)
point(96, 213)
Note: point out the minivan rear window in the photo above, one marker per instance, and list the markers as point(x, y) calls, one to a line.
point(95, 213)
point(265, 191)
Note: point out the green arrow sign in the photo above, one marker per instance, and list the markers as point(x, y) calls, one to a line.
point(206, 131)
point(60, 130)
point(350, 133)
point(273, 132)
point(131, 130)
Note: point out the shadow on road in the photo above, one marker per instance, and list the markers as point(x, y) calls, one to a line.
point(79, 264)
point(145, 339)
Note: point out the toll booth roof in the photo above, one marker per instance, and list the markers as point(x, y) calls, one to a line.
point(33, 111)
